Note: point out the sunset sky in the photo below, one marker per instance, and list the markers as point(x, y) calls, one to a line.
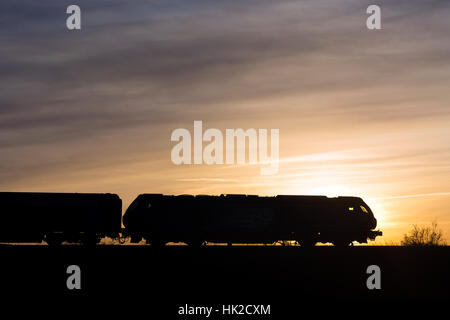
point(360, 112)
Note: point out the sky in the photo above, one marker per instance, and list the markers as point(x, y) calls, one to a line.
point(360, 112)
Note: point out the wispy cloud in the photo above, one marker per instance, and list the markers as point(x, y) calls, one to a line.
point(206, 180)
point(419, 195)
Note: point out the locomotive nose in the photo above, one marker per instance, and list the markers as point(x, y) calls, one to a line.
point(372, 223)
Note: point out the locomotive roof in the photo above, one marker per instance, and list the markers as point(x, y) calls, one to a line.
point(243, 196)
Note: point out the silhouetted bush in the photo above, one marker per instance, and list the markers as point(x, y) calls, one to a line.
point(421, 236)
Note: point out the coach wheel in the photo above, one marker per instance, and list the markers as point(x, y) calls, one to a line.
point(307, 243)
point(53, 240)
point(341, 243)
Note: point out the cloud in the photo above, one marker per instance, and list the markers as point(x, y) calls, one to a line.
point(137, 71)
point(419, 195)
point(206, 180)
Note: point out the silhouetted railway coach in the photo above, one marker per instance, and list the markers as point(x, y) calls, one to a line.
point(58, 217)
point(249, 219)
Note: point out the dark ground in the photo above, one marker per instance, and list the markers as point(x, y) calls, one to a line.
point(178, 275)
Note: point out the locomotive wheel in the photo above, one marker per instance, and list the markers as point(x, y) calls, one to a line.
point(136, 238)
point(156, 243)
point(195, 243)
point(341, 243)
point(89, 239)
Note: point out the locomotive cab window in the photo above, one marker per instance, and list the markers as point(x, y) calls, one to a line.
point(364, 209)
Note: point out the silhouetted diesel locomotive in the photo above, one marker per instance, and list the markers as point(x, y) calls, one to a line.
point(249, 219)
point(158, 219)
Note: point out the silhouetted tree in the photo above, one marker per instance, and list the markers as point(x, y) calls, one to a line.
point(424, 236)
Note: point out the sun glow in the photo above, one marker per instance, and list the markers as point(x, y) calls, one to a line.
point(332, 190)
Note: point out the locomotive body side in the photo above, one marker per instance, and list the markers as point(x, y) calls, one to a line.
point(248, 219)
point(158, 218)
